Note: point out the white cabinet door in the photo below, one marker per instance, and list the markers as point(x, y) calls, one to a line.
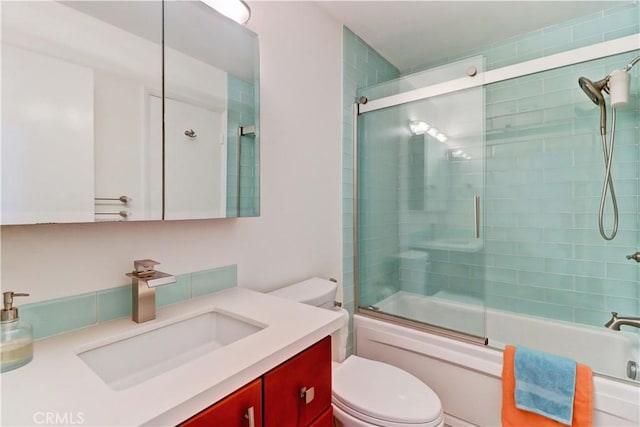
point(194, 166)
point(47, 139)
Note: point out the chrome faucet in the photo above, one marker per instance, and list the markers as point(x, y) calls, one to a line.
point(144, 280)
point(615, 322)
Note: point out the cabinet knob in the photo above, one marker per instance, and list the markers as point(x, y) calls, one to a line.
point(251, 417)
point(307, 394)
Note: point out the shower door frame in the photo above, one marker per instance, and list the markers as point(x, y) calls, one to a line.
point(558, 60)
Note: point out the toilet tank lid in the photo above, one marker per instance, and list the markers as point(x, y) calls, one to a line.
point(314, 291)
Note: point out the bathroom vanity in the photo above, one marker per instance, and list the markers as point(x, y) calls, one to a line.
point(278, 396)
point(269, 359)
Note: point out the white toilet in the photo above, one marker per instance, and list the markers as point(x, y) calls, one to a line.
point(366, 392)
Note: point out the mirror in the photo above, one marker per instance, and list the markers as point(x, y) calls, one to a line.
point(83, 105)
point(211, 87)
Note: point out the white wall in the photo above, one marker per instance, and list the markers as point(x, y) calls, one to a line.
point(299, 231)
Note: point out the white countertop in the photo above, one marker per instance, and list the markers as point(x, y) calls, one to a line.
point(57, 383)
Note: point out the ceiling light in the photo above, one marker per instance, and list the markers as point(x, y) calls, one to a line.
point(419, 127)
point(458, 155)
point(237, 10)
point(441, 137)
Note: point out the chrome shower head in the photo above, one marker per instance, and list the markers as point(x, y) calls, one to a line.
point(594, 92)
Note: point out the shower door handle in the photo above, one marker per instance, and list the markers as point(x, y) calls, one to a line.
point(476, 216)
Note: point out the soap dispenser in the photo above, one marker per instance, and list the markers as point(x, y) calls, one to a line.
point(16, 336)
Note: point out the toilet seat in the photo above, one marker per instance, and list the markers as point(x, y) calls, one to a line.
point(383, 395)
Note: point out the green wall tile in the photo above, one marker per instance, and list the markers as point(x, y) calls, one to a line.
point(621, 32)
point(114, 303)
point(551, 311)
point(175, 292)
point(575, 299)
point(217, 279)
point(622, 271)
point(65, 314)
point(60, 315)
point(242, 104)
point(624, 306)
point(592, 317)
point(543, 178)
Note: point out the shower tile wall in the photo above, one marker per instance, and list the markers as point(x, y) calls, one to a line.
point(544, 169)
point(543, 254)
point(362, 66)
point(584, 31)
point(242, 104)
point(544, 172)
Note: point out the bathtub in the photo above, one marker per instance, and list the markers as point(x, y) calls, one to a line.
point(467, 376)
point(467, 314)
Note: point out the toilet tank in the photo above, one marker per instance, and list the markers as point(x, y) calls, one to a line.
point(315, 291)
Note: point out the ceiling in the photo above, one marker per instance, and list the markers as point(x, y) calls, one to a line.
point(412, 33)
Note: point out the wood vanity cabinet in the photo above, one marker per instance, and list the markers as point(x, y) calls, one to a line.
point(325, 419)
point(232, 411)
point(296, 393)
point(299, 391)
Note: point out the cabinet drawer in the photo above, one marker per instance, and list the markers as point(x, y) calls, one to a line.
point(232, 411)
point(284, 398)
point(325, 419)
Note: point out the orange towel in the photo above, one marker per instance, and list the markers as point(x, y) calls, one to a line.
point(514, 417)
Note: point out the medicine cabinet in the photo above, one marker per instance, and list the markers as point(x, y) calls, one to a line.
point(127, 110)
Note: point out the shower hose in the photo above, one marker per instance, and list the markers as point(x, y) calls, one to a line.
point(608, 182)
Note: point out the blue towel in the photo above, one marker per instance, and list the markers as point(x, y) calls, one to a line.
point(545, 384)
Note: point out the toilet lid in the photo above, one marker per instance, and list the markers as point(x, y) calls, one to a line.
point(314, 291)
point(385, 392)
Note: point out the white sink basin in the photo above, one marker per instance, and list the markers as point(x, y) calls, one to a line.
point(132, 360)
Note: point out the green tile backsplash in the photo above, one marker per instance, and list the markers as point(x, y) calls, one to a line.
point(65, 314)
point(209, 281)
point(114, 303)
point(60, 315)
point(176, 292)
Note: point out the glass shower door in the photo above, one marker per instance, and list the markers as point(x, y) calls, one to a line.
point(420, 188)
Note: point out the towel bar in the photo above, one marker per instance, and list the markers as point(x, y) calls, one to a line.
point(123, 214)
point(123, 199)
